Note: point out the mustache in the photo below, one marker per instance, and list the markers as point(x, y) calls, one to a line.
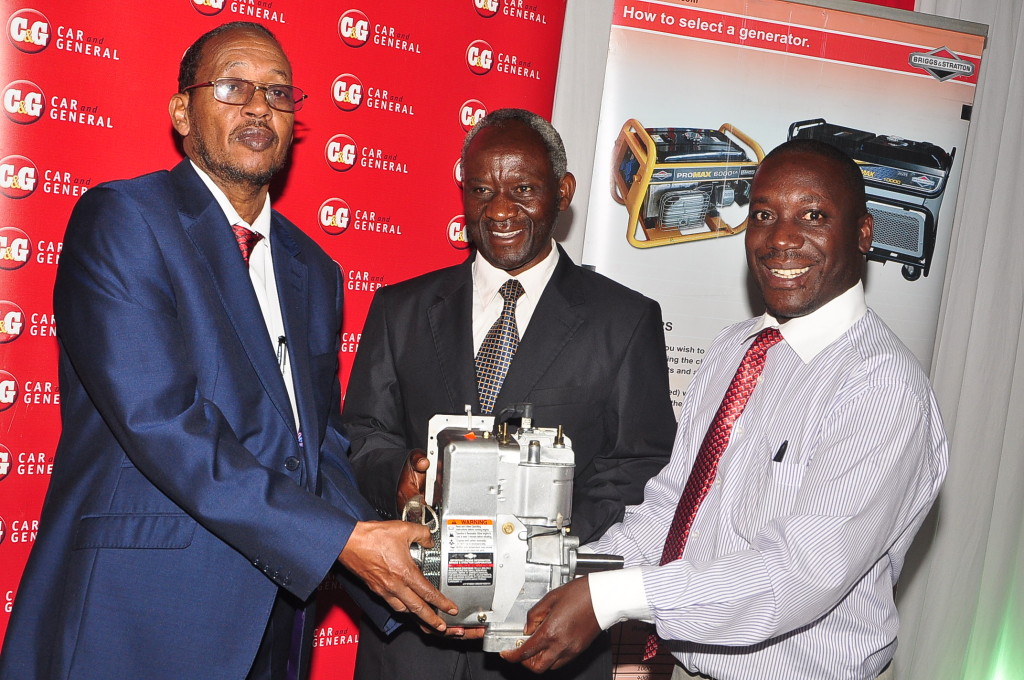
point(506, 225)
point(777, 256)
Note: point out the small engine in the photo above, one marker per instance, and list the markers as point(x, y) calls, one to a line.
point(499, 520)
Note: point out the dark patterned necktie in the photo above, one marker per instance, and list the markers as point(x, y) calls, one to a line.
point(247, 240)
point(715, 442)
point(498, 348)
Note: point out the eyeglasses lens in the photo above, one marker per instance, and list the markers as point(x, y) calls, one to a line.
point(240, 92)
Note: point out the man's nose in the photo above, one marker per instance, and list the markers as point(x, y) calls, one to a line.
point(788, 234)
point(501, 207)
point(257, 105)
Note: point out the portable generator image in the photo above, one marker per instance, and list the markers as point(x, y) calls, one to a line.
point(675, 182)
point(498, 502)
point(905, 181)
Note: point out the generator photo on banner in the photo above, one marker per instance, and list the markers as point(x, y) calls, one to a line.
point(677, 149)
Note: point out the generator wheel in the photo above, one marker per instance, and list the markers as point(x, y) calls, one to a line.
point(911, 273)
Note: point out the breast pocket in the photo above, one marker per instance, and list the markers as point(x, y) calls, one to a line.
point(771, 487)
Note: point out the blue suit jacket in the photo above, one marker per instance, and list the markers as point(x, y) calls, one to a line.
point(182, 497)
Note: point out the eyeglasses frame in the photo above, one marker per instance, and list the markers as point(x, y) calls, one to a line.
point(257, 85)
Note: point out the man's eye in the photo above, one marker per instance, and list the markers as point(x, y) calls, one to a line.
point(814, 215)
point(760, 215)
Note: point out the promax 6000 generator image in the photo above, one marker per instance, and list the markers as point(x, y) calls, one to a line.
point(676, 182)
point(905, 181)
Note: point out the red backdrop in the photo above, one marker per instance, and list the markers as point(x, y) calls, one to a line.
point(393, 88)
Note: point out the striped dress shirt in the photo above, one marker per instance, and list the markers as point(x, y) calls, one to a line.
point(790, 566)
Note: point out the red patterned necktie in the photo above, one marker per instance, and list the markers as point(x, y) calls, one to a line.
point(247, 240)
point(715, 442)
point(498, 348)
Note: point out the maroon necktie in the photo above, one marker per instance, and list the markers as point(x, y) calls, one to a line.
point(247, 240)
point(715, 442)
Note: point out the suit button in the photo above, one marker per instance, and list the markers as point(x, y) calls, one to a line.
point(292, 463)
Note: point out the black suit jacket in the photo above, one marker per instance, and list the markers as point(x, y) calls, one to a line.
point(592, 359)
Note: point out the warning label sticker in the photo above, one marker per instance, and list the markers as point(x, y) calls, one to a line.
point(470, 552)
point(470, 569)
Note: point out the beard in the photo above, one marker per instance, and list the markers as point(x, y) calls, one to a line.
point(230, 172)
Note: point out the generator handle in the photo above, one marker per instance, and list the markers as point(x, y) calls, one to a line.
point(743, 137)
point(799, 125)
point(631, 129)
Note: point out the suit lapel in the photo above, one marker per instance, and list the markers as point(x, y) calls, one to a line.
point(292, 289)
point(451, 327)
point(205, 224)
point(552, 327)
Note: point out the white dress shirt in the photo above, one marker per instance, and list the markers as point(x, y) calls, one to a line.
point(487, 303)
point(789, 568)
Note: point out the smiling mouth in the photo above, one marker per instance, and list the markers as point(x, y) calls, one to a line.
point(789, 273)
point(505, 235)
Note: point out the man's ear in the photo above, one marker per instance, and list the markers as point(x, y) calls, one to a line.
point(865, 232)
point(178, 110)
point(566, 189)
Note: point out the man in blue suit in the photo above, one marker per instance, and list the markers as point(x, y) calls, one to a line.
point(201, 490)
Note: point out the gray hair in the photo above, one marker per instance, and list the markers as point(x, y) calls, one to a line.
point(548, 134)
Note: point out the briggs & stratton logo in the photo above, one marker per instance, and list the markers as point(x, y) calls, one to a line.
point(208, 7)
point(354, 28)
point(5, 462)
point(942, 64)
point(457, 233)
point(8, 390)
point(18, 176)
point(12, 321)
point(334, 215)
point(15, 248)
point(487, 8)
point(479, 57)
point(29, 31)
point(24, 102)
point(470, 113)
point(347, 92)
point(341, 152)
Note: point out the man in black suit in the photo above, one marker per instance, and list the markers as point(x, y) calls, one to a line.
point(591, 358)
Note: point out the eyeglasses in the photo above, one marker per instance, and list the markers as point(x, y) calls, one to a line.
point(239, 92)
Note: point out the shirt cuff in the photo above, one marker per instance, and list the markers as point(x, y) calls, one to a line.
point(618, 595)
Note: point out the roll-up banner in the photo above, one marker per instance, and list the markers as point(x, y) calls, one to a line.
point(393, 87)
point(696, 92)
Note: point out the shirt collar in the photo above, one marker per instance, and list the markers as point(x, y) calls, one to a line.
point(262, 223)
point(809, 335)
point(487, 278)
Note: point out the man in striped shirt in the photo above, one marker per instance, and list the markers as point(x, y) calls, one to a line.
point(791, 560)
